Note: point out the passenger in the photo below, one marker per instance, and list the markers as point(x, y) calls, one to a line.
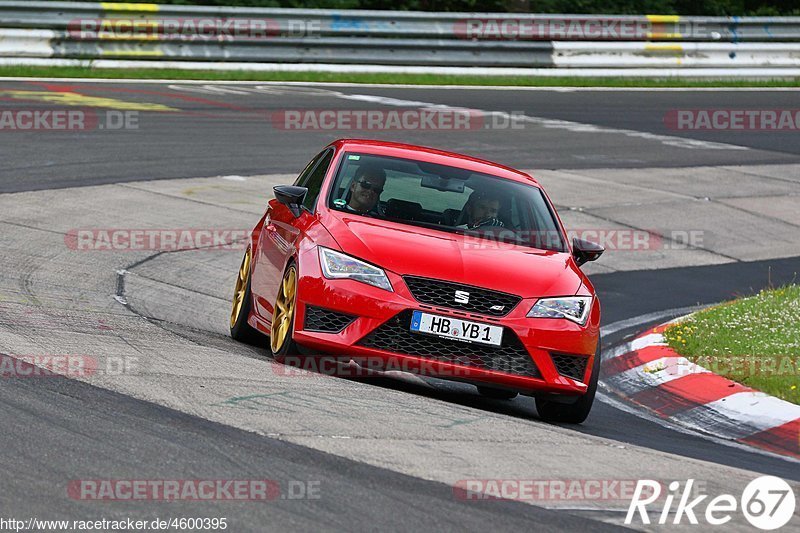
point(480, 211)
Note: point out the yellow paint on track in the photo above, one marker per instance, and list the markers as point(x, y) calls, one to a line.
point(82, 100)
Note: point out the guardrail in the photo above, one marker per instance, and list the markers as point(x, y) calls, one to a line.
point(223, 36)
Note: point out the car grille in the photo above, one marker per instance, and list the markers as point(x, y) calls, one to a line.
point(395, 336)
point(326, 321)
point(443, 293)
point(572, 366)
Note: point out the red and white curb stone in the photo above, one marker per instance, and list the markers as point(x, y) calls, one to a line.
point(652, 375)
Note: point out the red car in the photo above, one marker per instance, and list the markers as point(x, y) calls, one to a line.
point(396, 257)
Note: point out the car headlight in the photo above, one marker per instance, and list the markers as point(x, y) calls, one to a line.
point(336, 265)
point(575, 308)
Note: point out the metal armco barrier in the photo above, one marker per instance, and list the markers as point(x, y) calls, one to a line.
point(227, 35)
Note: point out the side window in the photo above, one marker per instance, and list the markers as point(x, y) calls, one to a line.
point(303, 177)
point(315, 179)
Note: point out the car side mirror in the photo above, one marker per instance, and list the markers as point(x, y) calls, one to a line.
point(585, 251)
point(291, 196)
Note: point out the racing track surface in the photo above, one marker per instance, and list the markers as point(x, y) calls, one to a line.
point(194, 405)
point(210, 130)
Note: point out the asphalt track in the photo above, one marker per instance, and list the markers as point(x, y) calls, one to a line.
point(58, 429)
point(72, 427)
point(217, 131)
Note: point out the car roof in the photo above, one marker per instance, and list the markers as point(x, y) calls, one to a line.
point(433, 155)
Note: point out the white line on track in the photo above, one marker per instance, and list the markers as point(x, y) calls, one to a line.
point(549, 123)
point(578, 127)
point(649, 317)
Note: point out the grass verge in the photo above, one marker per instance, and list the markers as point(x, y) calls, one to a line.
point(754, 341)
point(409, 79)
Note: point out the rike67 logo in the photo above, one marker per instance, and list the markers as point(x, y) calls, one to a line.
point(767, 503)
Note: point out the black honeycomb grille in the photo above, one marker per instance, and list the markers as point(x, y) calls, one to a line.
point(326, 321)
point(395, 336)
point(443, 293)
point(572, 366)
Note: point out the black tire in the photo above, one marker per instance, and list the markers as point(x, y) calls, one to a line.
point(496, 394)
point(289, 347)
point(240, 330)
point(572, 413)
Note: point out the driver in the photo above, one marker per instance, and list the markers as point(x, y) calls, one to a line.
point(366, 189)
point(481, 211)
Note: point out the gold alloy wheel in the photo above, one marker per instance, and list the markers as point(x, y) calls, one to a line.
point(241, 288)
point(284, 310)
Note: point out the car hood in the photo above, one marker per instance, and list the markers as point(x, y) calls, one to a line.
point(410, 250)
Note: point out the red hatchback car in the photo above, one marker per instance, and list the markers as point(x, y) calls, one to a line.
point(398, 257)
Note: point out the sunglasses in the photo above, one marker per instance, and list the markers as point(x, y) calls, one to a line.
point(369, 186)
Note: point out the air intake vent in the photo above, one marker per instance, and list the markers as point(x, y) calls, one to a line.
point(572, 366)
point(326, 321)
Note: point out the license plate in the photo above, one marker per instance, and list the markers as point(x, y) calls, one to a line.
point(456, 328)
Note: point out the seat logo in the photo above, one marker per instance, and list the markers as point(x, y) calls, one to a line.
point(462, 297)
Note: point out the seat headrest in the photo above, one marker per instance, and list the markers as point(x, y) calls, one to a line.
point(403, 209)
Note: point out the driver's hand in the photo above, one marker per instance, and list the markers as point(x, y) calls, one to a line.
point(488, 223)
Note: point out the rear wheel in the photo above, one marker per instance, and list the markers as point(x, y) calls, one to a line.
point(242, 301)
point(496, 394)
point(282, 330)
point(572, 413)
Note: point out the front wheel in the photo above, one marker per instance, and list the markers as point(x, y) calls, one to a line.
point(281, 341)
point(573, 413)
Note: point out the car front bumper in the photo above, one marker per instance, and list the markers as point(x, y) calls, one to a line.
point(539, 356)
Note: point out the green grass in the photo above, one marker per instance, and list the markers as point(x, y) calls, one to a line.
point(411, 79)
point(755, 341)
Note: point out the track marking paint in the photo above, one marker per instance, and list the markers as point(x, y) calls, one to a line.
point(77, 99)
point(577, 127)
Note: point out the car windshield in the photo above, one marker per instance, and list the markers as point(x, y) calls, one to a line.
point(445, 198)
